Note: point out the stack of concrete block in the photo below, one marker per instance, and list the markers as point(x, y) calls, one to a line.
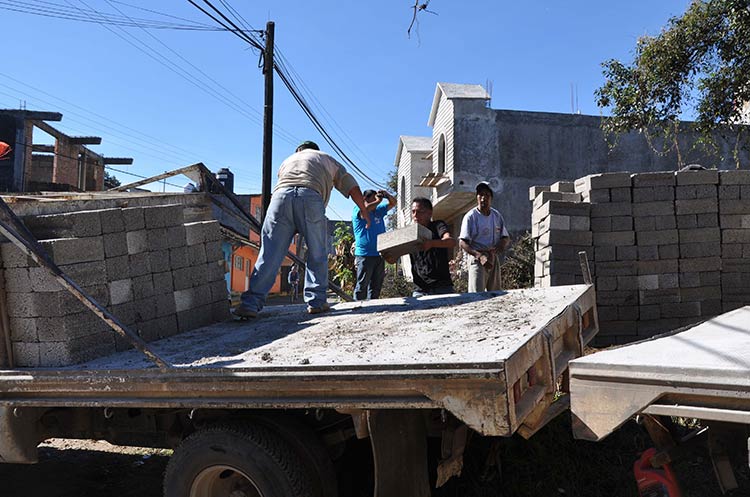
point(155, 273)
point(560, 228)
point(734, 217)
point(615, 252)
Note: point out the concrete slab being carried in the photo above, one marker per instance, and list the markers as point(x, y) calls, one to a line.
point(702, 373)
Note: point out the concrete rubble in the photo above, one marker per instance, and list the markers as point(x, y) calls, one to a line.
point(667, 249)
point(159, 273)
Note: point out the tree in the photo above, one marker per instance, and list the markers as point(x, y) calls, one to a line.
point(110, 181)
point(700, 61)
point(391, 183)
point(341, 264)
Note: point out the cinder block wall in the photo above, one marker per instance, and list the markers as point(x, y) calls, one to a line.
point(666, 249)
point(157, 274)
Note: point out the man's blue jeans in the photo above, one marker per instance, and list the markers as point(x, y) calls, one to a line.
point(370, 275)
point(291, 210)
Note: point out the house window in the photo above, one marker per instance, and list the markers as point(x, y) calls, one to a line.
point(238, 260)
point(441, 154)
point(402, 194)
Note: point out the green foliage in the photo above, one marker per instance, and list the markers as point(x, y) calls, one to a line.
point(341, 265)
point(700, 61)
point(391, 183)
point(394, 284)
point(518, 269)
point(110, 181)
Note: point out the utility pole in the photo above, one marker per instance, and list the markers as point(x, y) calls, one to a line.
point(267, 116)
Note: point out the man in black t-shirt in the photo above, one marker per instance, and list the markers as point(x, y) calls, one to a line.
point(429, 266)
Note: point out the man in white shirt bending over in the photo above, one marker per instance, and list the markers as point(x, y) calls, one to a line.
point(484, 238)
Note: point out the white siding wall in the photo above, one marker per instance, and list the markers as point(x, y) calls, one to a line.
point(405, 178)
point(443, 125)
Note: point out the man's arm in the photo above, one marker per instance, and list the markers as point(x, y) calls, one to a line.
point(502, 244)
point(356, 195)
point(391, 199)
point(447, 241)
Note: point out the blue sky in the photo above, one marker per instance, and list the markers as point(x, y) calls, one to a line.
point(371, 82)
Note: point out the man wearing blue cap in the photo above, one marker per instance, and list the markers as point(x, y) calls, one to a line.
point(298, 205)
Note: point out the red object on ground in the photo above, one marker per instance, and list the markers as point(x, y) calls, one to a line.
point(4, 149)
point(655, 482)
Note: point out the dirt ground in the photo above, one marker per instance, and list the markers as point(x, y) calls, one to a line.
point(550, 464)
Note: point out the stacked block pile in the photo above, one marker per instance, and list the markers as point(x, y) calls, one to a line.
point(157, 274)
point(669, 249)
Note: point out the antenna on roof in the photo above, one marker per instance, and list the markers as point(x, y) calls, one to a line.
point(488, 87)
point(578, 109)
point(572, 104)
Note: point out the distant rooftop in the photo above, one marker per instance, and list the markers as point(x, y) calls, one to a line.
point(455, 91)
point(413, 144)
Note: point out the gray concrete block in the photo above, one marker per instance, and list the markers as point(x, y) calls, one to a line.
point(644, 194)
point(176, 236)
point(735, 236)
point(403, 241)
point(696, 206)
point(732, 250)
point(562, 208)
point(622, 223)
point(165, 304)
point(139, 264)
point(563, 237)
point(195, 233)
point(70, 327)
point(55, 354)
point(664, 178)
point(563, 252)
point(627, 283)
point(196, 254)
point(648, 282)
point(563, 186)
point(734, 177)
point(79, 224)
point(606, 283)
point(601, 195)
point(74, 250)
point(133, 218)
point(182, 278)
point(620, 195)
point(193, 318)
point(159, 260)
point(649, 312)
point(605, 253)
point(648, 209)
point(735, 265)
point(665, 222)
point(163, 282)
point(658, 267)
point(663, 193)
point(699, 177)
point(617, 297)
point(144, 309)
point(199, 275)
point(545, 197)
point(32, 305)
point(137, 242)
point(219, 290)
point(627, 253)
point(700, 264)
point(669, 280)
point(118, 267)
point(164, 216)
point(12, 257)
point(704, 249)
point(708, 220)
point(26, 355)
point(124, 312)
point(612, 209)
point(603, 180)
point(669, 251)
point(734, 207)
point(656, 326)
point(734, 221)
point(112, 220)
point(711, 278)
point(86, 273)
point(648, 253)
point(745, 192)
point(687, 221)
point(580, 223)
point(23, 330)
point(641, 223)
point(157, 239)
point(214, 251)
point(618, 268)
point(143, 287)
point(215, 271)
point(178, 258)
point(220, 311)
point(536, 190)
point(663, 237)
point(115, 244)
point(729, 192)
point(680, 309)
point(17, 280)
point(601, 224)
point(121, 291)
point(616, 238)
point(661, 296)
point(700, 235)
point(628, 313)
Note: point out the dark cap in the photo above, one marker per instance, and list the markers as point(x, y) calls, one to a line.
point(307, 144)
point(368, 193)
point(485, 187)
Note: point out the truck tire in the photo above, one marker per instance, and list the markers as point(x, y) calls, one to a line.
point(309, 447)
point(235, 461)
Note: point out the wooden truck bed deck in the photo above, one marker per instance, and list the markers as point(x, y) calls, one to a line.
point(703, 372)
point(491, 359)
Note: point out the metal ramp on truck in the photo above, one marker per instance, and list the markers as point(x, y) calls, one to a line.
point(702, 373)
point(491, 359)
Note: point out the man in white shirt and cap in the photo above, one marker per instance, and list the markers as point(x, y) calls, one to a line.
point(484, 238)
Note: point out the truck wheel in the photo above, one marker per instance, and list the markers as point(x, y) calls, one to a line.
point(235, 461)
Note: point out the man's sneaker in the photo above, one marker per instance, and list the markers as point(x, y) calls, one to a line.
point(243, 312)
point(317, 310)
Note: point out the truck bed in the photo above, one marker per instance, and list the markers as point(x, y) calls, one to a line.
point(703, 372)
point(490, 359)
